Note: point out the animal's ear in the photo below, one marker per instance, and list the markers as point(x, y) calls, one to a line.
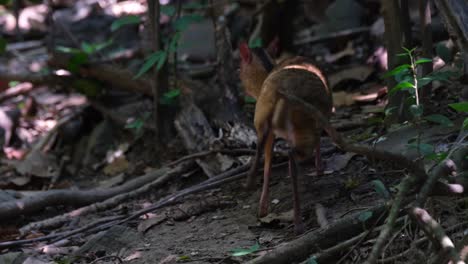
point(245, 53)
point(273, 47)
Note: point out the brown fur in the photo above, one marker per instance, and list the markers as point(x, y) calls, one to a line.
point(298, 77)
point(275, 116)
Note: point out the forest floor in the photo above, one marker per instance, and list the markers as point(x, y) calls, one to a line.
point(82, 180)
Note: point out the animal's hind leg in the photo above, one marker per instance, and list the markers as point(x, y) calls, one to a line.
point(265, 197)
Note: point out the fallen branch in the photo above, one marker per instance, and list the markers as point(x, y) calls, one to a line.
point(118, 78)
point(332, 35)
point(61, 235)
point(436, 233)
point(159, 178)
point(27, 205)
point(302, 247)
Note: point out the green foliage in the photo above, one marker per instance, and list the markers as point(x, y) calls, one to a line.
point(439, 119)
point(137, 124)
point(242, 252)
point(256, 43)
point(125, 20)
point(460, 107)
point(158, 58)
point(5, 2)
point(379, 187)
point(76, 61)
point(81, 56)
point(13, 83)
point(465, 124)
point(437, 157)
point(397, 70)
point(170, 97)
point(249, 100)
point(364, 216)
point(406, 76)
point(90, 49)
point(184, 258)
point(422, 60)
point(422, 148)
point(400, 86)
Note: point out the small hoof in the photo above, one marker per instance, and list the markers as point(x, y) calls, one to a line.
point(262, 212)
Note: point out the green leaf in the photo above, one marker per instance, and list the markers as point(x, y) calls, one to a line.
point(397, 70)
point(168, 10)
point(150, 61)
point(249, 100)
point(400, 86)
point(256, 43)
point(76, 61)
point(100, 46)
point(161, 61)
point(13, 83)
point(423, 148)
point(388, 111)
point(443, 75)
point(364, 216)
point(460, 107)
point(169, 97)
point(423, 60)
point(439, 119)
point(416, 110)
point(3, 45)
point(123, 21)
point(183, 22)
point(379, 187)
point(437, 157)
point(402, 55)
point(312, 260)
point(67, 49)
point(174, 42)
point(243, 252)
point(424, 80)
point(184, 258)
point(4, 2)
point(87, 48)
point(465, 124)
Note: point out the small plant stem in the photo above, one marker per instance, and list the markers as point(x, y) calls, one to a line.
point(415, 77)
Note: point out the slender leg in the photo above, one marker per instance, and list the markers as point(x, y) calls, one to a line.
point(318, 160)
point(265, 197)
point(298, 225)
point(252, 175)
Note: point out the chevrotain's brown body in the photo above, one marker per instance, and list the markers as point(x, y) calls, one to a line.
point(275, 116)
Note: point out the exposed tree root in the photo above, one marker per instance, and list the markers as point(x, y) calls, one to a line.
point(158, 178)
point(30, 204)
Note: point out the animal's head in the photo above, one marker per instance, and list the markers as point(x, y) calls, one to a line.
point(255, 65)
